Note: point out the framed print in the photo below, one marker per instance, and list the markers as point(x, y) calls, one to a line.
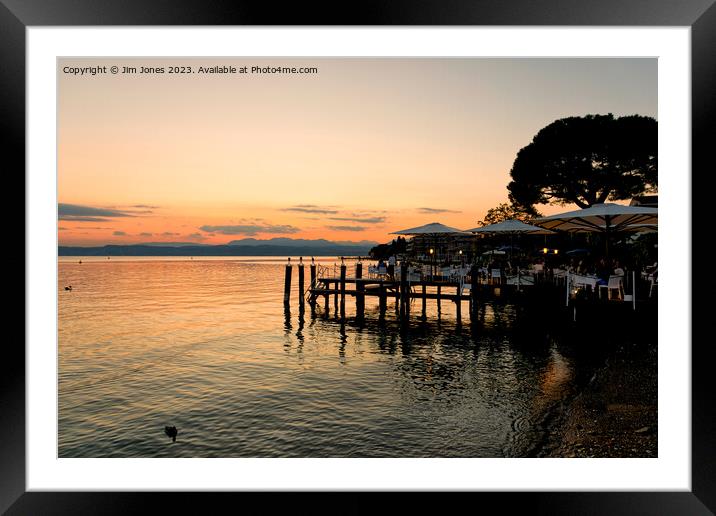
point(415, 249)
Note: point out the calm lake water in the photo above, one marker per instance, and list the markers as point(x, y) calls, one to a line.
point(205, 345)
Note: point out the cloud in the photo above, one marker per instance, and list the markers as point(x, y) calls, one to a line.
point(250, 229)
point(77, 212)
point(196, 236)
point(312, 208)
point(169, 233)
point(83, 219)
point(437, 210)
point(119, 233)
point(60, 228)
point(346, 228)
point(145, 234)
point(144, 206)
point(363, 220)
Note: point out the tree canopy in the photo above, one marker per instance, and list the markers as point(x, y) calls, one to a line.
point(384, 251)
point(505, 211)
point(586, 160)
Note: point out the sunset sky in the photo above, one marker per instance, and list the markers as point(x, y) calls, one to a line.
point(362, 148)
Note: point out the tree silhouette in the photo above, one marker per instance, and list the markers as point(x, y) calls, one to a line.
point(505, 211)
point(586, 160)
point(384, 251)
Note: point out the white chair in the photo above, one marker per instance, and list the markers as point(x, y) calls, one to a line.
point(495, 276)
point(616, 283)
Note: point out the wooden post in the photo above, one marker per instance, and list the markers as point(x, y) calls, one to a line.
point(313, 283)
point(473, 292)
point(335, 296)
point(382, 300)
point(287, 284)
point(360, 288)
point(425, 297)
point(459, 304)
point(396, 285)
point(343, 291)
point(325, 297)
point(439, 306)
point(404, 294)
point(301, 292)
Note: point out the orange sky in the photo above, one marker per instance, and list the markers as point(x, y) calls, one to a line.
point(362, 148)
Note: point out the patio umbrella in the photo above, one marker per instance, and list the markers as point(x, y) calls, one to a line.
point(510, 227)
point(601, 218)
point(433, 229)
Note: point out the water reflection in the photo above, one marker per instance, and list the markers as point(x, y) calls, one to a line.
point(343, 339)
point(287, 319)
point(250, 381)
point(512, 370)
point(299, 331)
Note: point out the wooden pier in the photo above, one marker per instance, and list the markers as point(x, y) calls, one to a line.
point(400, 290)
point(474, 289)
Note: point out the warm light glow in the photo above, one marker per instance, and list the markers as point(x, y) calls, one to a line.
point(556, 251)
point(545, 250)
point(431, 251)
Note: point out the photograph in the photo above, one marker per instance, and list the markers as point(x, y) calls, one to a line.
point(357, 257)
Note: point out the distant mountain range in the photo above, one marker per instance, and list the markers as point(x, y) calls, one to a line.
point(244, 247)
point(282, 241)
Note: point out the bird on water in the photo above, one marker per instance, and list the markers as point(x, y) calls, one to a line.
point(172, 432)
point(69, 287)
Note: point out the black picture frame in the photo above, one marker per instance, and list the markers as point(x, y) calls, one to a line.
point(699, 15)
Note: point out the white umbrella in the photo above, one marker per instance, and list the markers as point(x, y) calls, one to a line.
point(600, 218)
point(511, 227)
point(434, 228)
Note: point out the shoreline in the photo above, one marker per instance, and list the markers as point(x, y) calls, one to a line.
point(614, 415)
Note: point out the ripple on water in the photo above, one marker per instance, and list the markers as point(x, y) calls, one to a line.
point(207, 347)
